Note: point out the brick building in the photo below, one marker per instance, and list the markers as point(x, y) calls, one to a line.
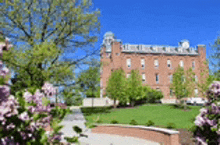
point(156, 63)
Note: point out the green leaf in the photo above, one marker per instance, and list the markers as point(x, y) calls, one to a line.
point(77, 129)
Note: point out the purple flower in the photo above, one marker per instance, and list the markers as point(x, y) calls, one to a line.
point(200, 121)
point(24, 116)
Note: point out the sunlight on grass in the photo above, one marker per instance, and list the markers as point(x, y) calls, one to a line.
point(161, 115)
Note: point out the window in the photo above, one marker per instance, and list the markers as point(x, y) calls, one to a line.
point(157, 78)
point(142, 63)
point(155, 48)
point(196, 78)
point(143, 77)
point(156, 63)
point(129, 62)
point(193, 65)
point(181, 63)
point(196, 92)
point(171, 92)
point(108, 54)
point(168, 49)
point(128, 75)
point(168, 63)
point(171, 78)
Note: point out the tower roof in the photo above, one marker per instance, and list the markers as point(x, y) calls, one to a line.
point(109, 33)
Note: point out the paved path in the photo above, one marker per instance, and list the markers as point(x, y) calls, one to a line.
point(78, 119)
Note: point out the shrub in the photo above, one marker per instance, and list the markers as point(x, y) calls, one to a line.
point(133, 122)
point(95, 110)
point(114, 122)
point(171, 125)
point(154, 95)
point(99, 121)
point(150, 123)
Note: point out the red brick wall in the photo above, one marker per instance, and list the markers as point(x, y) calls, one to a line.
point(118, 60)
point(151, 135)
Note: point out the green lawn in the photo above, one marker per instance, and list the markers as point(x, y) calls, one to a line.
point(159, 114)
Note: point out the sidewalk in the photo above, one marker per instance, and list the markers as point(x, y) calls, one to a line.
point(78, 119)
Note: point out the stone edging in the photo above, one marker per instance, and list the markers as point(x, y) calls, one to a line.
point(163, 130)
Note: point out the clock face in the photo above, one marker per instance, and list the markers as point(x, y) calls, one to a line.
point(185, 44)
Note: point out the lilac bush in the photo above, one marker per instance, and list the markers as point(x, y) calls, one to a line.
point(25, 116)
point(207, 123)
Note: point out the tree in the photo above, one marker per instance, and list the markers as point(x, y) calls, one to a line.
point(134, 87)
point(190, 82)
point(215, 56)
point(205, 80)
point(47, 31)
point(116, 86)
point(179, 84)
point(90, 81)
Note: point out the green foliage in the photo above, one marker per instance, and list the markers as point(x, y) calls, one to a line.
point(150, 123)
point(116, 86)
point(47, 30)
point(90, 80)
point(114, 122)
point(77, 129)
point(133, 122)
point(95, 110)
point(154, 95)
point(134, 85)
point(171, 125)
point(72, 96)
point(179, 83)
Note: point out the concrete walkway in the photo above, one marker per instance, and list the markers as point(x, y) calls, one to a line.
point(78, 119)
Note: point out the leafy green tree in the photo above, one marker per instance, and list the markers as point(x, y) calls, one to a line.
point(179, 84)
point(205, 79)
point(48, 31)
point(72, 97)
point(116, 86)
point(134, 86)
point(215, 56)
point(90, 81)
point(190, 83)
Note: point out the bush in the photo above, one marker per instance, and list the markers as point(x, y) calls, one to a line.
point(171, 125)
point(150, 123)
point(133, 122)
point(114, 122)
point(99, 121)
point(95, 110)
point(154, 95)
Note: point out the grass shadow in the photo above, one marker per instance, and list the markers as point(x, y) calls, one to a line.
point(87, 111)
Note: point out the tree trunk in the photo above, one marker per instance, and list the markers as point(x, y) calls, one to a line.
point(115, 104)
point(184, 105)
point(132, 103)
point(92, 102)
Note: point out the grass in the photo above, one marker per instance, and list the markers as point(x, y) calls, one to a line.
point(161, 115)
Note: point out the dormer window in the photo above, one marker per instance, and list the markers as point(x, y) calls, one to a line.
point(155, 49)
point(180, 50)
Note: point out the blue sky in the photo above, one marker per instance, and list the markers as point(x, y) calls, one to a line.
point(162, 22)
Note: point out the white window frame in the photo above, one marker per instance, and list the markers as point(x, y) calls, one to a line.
point(171, 78)
point(129, 63)
point(196, 92)
point(157, 78)
point(156, 63)
point(193, 65)
point(143, 77)
point(196, 78)
point(142, 63)
point(169, 63)
point(128, 75)
point(181, 63)
point(168, 49)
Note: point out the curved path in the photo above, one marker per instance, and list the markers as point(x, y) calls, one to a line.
point(78, 119)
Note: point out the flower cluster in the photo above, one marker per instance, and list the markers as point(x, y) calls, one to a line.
point(24, 116)
point(31, 116)
point(207, 122)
